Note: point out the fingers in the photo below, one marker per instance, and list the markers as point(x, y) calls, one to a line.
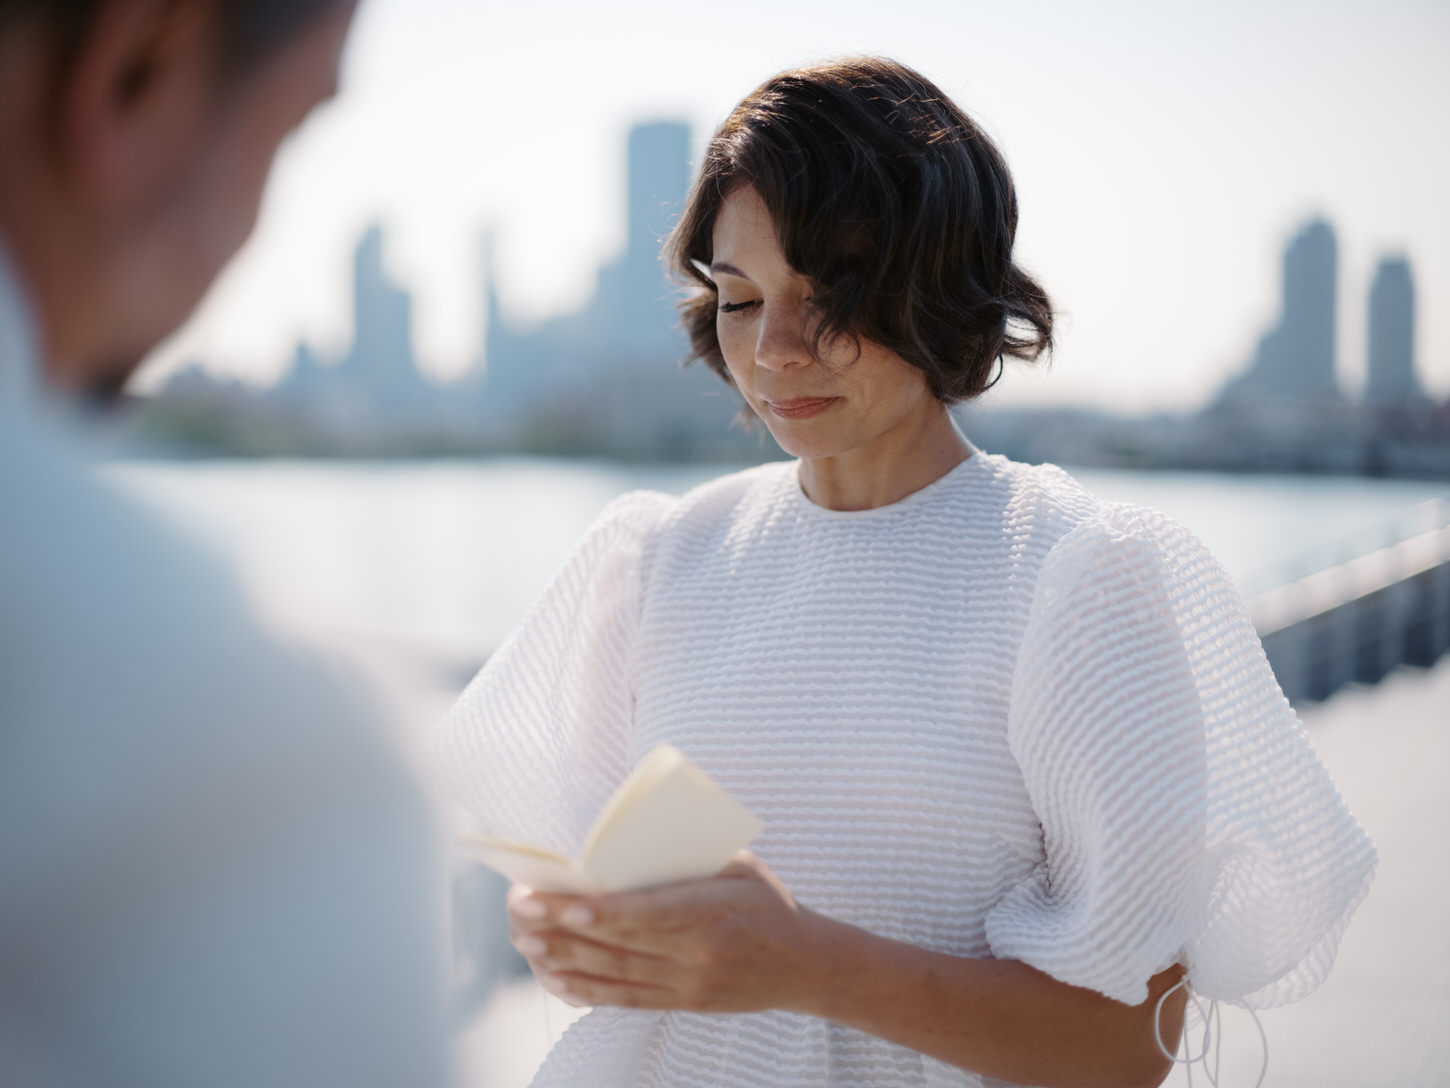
point(579, 989)
point(744, 863)
point(653, 920)
point(629, 912)
point(535, 929)
point(558, 990)
point(700, 945)
point(531, 907)
point(531, 911)
point(560, 951)
point(641, 920)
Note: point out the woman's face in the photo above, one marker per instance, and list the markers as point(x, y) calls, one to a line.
point(814, 407)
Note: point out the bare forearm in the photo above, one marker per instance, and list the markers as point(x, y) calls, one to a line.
point(1000, 1018)
point(738, 942)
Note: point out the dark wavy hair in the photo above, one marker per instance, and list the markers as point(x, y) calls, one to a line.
point(247, 30)
point(895, 204)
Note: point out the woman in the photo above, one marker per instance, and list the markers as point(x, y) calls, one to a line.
point(1025, 772)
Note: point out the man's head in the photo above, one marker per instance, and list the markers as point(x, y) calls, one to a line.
point(135, 141)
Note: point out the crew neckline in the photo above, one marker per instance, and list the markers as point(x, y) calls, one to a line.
point(941, 483)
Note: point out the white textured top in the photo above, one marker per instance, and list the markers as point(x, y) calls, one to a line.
point(1000, 717)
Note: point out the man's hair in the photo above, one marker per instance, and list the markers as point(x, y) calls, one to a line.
point(896, 205)
point(247, 30)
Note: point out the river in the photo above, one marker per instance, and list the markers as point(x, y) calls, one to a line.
point(443, 557)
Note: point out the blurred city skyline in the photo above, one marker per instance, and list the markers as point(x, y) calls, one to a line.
point(1162, 158)
point(603, 380)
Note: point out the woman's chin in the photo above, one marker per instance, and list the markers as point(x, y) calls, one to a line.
point(805, 446)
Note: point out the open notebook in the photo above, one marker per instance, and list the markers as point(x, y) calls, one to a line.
point(667, 821)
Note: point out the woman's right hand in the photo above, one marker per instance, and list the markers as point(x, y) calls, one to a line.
point(733, 942)
point(529, 932)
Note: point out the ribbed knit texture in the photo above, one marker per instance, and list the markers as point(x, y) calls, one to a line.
point(1000, 717)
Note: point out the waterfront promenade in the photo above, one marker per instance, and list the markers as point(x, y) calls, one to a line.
point(1379, 1020)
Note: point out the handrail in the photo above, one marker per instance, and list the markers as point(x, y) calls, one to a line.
point(1328, 588)
point(1426, 517)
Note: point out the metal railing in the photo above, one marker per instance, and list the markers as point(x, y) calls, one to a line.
point(1425, 517)
point(1381, 602)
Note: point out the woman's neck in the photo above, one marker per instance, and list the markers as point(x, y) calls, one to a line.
point(888, 468)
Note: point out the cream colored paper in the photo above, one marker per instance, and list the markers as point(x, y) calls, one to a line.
point(667, 821)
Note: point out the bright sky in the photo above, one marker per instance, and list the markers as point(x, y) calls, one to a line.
point(1163, 153)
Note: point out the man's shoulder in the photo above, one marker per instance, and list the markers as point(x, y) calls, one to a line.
point(120, 628)
point(78, 549)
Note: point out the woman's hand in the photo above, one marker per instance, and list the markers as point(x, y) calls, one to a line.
point(734, 942)
point(738, 942)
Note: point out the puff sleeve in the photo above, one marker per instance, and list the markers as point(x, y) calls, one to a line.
point(540, 737)
point(1185, 815)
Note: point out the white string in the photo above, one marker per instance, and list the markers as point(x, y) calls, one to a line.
point(1212, 1037)
point(548, 1017)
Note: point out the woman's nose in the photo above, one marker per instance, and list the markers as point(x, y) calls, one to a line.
point(784, 339)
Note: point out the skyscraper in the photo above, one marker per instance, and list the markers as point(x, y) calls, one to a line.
point(1306, 364)
point(382, 350)
point(608, 374)
point(1390, 349)
point(659, 177)
point(1294, 363)
point(630, 320)
point(377, 386)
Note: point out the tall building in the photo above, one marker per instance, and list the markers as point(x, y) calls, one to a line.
point(659, 177)
point(381, 358)
point(630, 317)
point(604, 379)
point(377, 385)
point(1296, 359)
point(608, 373)
point(1311, 279)
point(1390, 345)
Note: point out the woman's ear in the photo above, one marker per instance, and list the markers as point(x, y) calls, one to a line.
point(133, 100)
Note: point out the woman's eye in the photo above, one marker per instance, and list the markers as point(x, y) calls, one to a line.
point(736, 307)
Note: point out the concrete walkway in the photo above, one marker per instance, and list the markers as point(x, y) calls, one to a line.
point(1379, 1022)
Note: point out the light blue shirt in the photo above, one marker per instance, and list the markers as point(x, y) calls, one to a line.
point(213, 870)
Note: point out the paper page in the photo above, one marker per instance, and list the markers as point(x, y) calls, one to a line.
point(682, 827)
point(538, 868)
point(662, 760)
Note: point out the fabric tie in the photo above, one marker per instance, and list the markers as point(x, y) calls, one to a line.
point(1212, 1037)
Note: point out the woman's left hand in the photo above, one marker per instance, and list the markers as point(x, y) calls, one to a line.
point(734, 942)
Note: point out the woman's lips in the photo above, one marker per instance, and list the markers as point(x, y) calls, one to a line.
point(802, 408)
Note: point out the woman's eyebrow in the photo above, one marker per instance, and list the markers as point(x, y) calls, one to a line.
point(728, 269)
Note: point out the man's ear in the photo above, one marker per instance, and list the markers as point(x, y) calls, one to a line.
point(134, 101)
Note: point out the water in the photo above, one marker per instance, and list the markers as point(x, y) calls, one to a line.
point(442, 556)
point(442, 559)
